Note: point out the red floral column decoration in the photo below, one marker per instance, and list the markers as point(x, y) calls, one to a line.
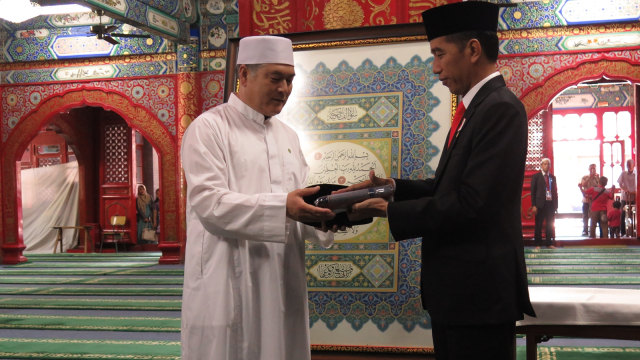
point(187, 111)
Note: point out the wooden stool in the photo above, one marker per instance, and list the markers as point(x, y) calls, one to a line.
point(58, 239)
point(87, 237)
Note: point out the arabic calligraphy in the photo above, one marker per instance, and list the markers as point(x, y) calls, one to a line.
point(342, 113)
point(84, 72)
point(335, 271)
point(274, 18)
point(603, 41)
point(162, 22)
point(343, 163)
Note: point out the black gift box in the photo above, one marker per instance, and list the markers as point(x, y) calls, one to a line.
point(341, 218)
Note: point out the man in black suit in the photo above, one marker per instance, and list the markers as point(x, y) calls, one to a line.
point(544, 201)
point(473, 280)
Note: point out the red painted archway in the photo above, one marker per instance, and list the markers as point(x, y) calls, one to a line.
point(138, 118)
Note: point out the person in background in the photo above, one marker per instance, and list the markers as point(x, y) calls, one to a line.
point(245, 286)
point(473, 281)
point(614, 219)
point(587, 181)
point(156, 211)
point(599, 196)
point(627, 183)
point(144, 214)
point(544, 200)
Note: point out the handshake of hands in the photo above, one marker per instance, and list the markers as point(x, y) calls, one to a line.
point(332, 207)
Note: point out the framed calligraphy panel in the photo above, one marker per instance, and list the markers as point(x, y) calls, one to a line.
point(365, 99)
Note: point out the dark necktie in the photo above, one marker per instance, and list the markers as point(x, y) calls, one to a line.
point(456, 122)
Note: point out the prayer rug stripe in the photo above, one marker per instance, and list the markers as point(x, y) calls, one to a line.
point(95, 323)
point(589, 249)
point(106, 291)
point(583, 280)
point(583, 261)
point(91, 280)
point(603, 269)
point(93, 272)
point(90, 259)
point(97, 304)
point(18, 348)
point(583, 256)
point(583, 353)
point(96, 264)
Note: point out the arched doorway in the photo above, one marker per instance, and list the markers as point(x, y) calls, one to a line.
point(538, 99)
point(137, 118)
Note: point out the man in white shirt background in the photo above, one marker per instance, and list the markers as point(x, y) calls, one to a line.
point(627, 182)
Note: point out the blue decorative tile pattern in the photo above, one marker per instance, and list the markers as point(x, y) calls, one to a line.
point(530, 15)
point(219, 21)
point(171, 7)
point(76, 42)
point(411, 80)
point(539, 14)
point(583, 42)
point(392, 101)
point(344, 271)
point(88, 72)
point(575, 12)
point(615, 95)
point(154, 18)
point(381, 308)
point(188, 56)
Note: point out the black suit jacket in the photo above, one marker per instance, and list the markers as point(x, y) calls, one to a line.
point(539, 191)
point(468, 215)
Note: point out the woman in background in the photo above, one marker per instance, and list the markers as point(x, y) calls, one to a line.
point(143, 212)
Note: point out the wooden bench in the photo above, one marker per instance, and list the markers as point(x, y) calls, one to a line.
point(87, 237)
point(598, 313)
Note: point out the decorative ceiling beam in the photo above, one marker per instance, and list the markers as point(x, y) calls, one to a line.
point(137, 14)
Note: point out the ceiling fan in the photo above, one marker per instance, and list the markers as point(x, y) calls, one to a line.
point(104, 32)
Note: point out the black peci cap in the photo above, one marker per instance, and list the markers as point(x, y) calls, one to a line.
point(460, 17)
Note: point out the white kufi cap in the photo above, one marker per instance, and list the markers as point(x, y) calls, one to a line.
point(265, 49)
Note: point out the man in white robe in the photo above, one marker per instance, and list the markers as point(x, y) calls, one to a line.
point(245, 294)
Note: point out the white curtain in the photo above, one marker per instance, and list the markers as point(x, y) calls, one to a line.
point(49, 198)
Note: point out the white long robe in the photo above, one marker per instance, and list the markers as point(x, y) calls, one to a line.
point(245, 293)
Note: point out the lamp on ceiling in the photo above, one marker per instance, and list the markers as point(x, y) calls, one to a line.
point(18, 11)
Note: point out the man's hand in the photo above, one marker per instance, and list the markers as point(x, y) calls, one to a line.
point(299, 210)
point(534, 210)
point(335, 228)
point(373, 181)
point(376, 207)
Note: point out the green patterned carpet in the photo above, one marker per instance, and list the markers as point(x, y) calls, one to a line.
point(102, 323)
point(584, 266)
point(90, 306)
point(17, 348)
point(90, 280)
point(58, 294)
point(583, 353)
point(20, 348)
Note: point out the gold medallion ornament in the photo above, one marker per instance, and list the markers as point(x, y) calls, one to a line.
point(342, 14)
